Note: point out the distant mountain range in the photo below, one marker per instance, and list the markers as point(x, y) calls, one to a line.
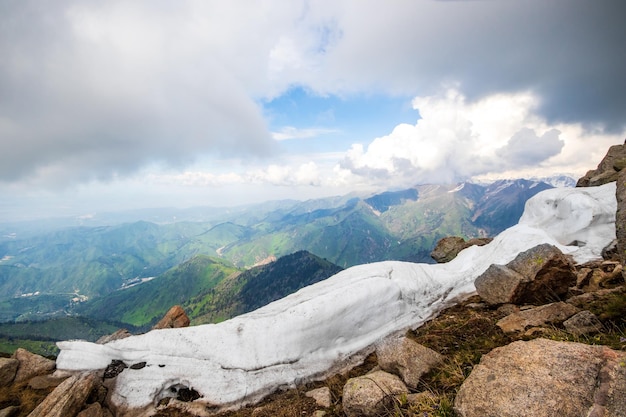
point(54, 271)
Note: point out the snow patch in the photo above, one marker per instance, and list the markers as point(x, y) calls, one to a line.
point(308, 334)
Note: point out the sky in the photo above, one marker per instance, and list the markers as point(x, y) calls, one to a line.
point(176, 103)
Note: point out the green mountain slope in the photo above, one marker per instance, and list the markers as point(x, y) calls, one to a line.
point(143, 305)
point(259, 286)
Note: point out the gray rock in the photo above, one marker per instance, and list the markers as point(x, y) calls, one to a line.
point(538, 275)
point(548, 314)
point(371, 394)
point(68, 398)
point(8, 369)
point(582, 323)
point(407, 359)
point(31, 365)
point(545, 378)
point(321, 396)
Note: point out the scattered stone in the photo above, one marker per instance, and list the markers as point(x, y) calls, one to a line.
point(595, 296)
point(138, 365)
point(31, 365)
point(93, 410)
point(114, 369)
point(371, 394)
point(8, 370)
point(449, 247)
point(554, 313)
point(420, 398)
point(507, 309)
point(120, 334)
point(610, 253)
point(321, 396)
point(319, 413)
point(538, 275)
point(187, 394)
point(583, 323)
point(174, 318)
point(11, 411)
point(562, 379)
point(407, 359)
point(68, 398)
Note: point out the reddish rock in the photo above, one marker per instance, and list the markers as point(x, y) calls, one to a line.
point(550, 314)
point(407, 359)
point(8, 370)
point(174, 318)
point(449, 247)
point(68, 398)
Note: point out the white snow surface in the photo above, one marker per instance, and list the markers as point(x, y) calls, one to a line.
point(307, 334)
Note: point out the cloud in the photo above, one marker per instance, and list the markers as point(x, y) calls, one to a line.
point(456, 140)
point(98, 91)
point(526, 148)
point(290, 132)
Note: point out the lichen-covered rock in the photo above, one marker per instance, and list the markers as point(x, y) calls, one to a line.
point(8, 370)
point(548, 314)
point(31, 365)
point(407, 359)
point(545, 378)
point(174, 318)
point(68, 398)
point(536, 276)
point(371, 394)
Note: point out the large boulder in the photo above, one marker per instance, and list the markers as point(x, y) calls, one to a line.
point(549, 314)
point(372, 394)
point(68, 398)
point(31, 365)
point(174, 318)
point(407, 359)
point(538, 275)
point(607, 170)
point(449, 247)
point(545, 378)
point(8, 370)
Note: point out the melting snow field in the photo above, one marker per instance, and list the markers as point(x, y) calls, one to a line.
point(309, 333)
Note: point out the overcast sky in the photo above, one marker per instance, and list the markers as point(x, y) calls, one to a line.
point(116, 104)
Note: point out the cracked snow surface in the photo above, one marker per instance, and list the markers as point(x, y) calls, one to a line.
point(315, 331)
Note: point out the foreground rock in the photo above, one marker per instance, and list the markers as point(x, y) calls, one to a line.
point(407, 359)
point(8, 369)
point(31, 365)
point(545, 378)
point(68, 398)
point(607, 171)
point(449, 247)
point(371, 394)
point(174, 318)
point(538, 275)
